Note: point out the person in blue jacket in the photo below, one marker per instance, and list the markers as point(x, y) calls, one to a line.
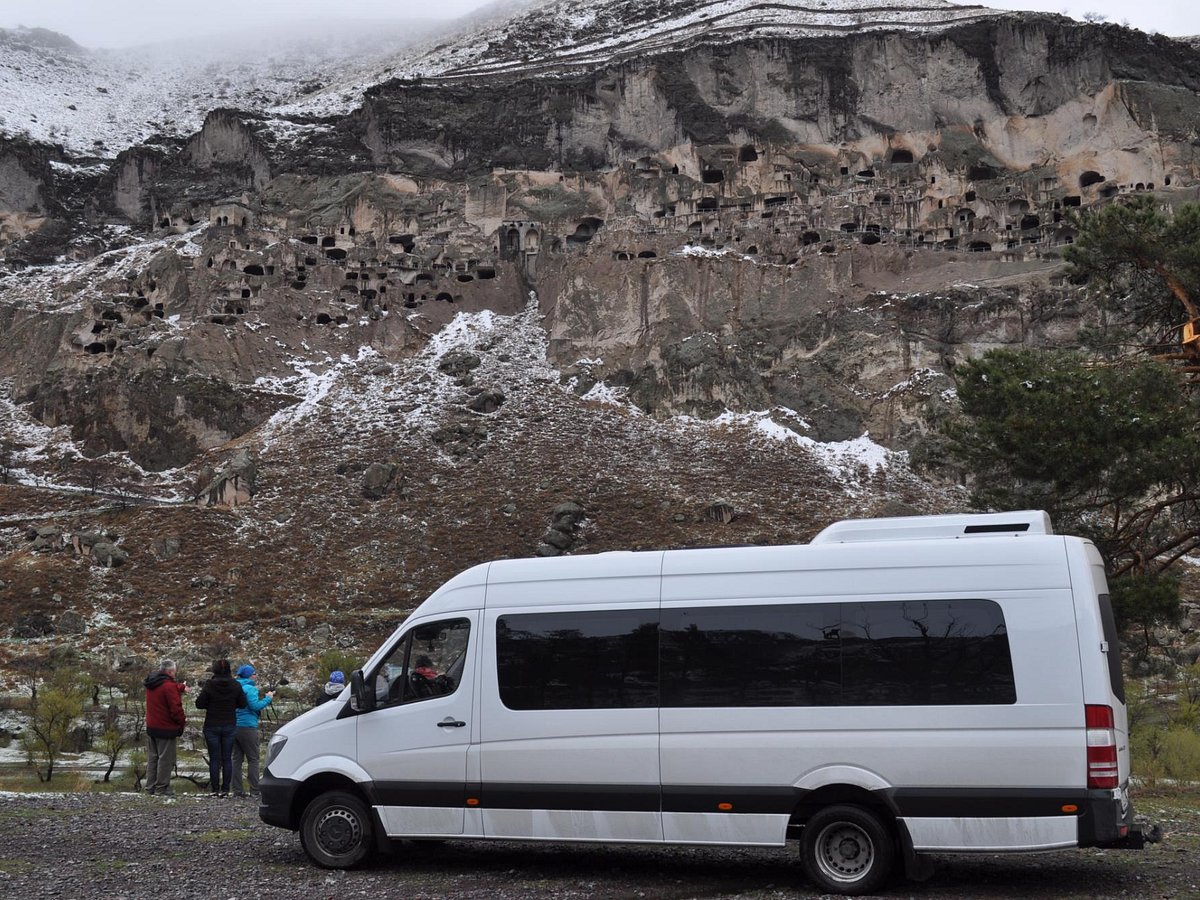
point(246, 737)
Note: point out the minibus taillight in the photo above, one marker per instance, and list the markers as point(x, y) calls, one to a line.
point(1101, 747)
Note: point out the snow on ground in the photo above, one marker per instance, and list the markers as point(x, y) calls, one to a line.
point(366, 394)
point(845, 460)
point(570, 36)
point(96, 103)
point(36, 449)
point(69, 286)
point(311, 385)
point(367, 391)
point(558, 34)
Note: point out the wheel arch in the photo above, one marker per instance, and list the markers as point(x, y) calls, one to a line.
point(321, 783)
point(877, 802)
point(855, 785)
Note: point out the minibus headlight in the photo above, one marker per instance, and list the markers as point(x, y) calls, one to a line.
point(274, 748)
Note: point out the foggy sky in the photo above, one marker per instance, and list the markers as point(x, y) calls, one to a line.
point(128, 23)
point(124, 23)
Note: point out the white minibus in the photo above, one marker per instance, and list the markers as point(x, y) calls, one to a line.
point(896, 688)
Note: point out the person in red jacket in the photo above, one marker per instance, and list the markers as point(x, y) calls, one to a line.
point(165, 721)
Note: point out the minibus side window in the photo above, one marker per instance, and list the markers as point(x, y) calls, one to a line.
point(427, 662)
point(925, 653)
point(604, 659)
point(885, 653)
point(779, 655)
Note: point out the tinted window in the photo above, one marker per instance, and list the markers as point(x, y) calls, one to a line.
point(751, 656)
point(578, 660)
point(922, 653)
point(1113, 637)
point(934, 652)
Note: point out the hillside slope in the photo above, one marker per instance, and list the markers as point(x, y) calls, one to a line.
point(603, 276)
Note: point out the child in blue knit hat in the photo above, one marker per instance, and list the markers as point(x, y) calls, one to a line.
point(333, 687)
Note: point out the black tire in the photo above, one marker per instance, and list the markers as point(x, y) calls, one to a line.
point(847, 850)
point(337, 831)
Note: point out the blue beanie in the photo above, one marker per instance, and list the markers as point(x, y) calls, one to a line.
point(245, 671)
point(337, 677)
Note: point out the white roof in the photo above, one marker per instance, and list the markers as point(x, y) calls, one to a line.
point(912, 528)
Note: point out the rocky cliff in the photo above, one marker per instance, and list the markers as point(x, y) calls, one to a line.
point(802, 218)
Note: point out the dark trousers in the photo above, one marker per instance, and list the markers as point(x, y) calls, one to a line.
point(245, 746)
point(219, 739)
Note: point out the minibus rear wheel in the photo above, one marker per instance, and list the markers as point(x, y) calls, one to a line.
point(336, 830)
point(847, 850)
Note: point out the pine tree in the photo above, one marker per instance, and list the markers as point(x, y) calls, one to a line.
point(1110, 451)
point(1145, 263)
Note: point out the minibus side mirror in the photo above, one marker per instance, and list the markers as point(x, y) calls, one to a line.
point(361, 699)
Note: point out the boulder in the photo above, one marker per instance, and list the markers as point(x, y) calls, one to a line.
point(561, 534)
point(569, 513)
point(234, 484)
point(71, 622)
point(109, 554)
point(33, 625)
point(47, 537)
point(166, 547)
point(1190, 655)
point(487, 401)
point(720, 511)
point(560, 539)
point(125, 660)
point(79, 740)
point(377, 479)
point(458, 363)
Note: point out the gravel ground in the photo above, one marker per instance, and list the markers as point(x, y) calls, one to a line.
point(133, 846)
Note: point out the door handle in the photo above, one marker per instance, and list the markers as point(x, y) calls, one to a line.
point(450, 723)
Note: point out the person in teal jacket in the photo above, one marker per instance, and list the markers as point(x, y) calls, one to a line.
point(246, 737)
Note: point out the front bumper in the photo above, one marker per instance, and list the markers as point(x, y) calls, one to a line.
point(278, 802)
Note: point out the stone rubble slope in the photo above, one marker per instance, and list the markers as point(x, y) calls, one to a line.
point(462, 486)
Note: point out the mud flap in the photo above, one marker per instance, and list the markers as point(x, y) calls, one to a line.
point(918, 867)
point(1139, 836)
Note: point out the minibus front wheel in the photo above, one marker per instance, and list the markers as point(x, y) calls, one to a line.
point(336, 830)
point(847, 850)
